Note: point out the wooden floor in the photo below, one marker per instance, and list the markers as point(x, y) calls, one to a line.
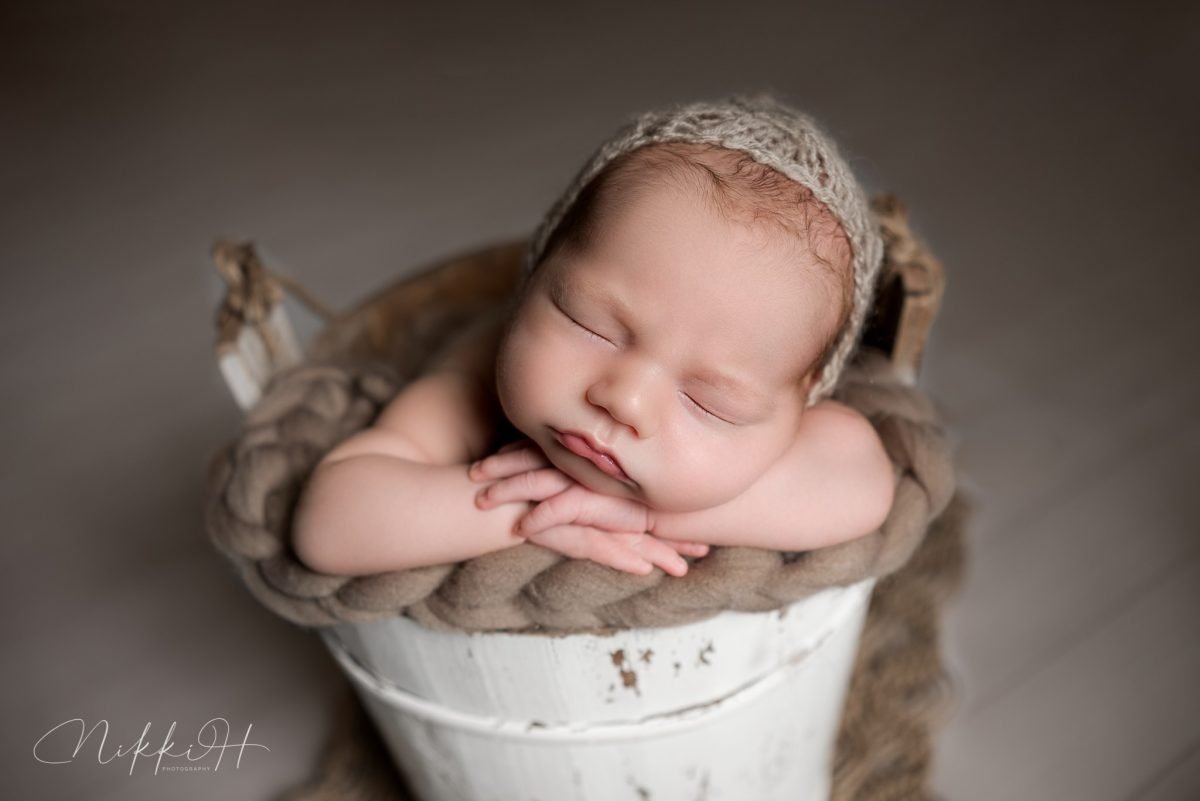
point(1047, 152)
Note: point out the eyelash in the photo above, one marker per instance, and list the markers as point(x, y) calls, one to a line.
point(596, 337)
point(706, 412)
point(590, 333)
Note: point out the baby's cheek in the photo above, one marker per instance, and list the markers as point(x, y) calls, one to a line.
point(700, 477)
point(512, 384)
point(528, 376)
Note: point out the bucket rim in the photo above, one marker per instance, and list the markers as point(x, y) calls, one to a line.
point(653, 725)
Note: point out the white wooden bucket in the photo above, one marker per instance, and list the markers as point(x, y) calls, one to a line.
point(740, 706)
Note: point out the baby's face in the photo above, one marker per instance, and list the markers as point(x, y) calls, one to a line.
point(678, 343)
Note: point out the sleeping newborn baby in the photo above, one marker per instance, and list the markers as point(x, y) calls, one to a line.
point(659, 384)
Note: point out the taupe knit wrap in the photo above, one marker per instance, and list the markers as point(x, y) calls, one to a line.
point(773, 135)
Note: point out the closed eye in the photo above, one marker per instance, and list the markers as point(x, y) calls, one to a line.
point(590, 333)
point(692, 401)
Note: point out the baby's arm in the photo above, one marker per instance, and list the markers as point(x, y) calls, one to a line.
point(834, 484)
point(397, 495)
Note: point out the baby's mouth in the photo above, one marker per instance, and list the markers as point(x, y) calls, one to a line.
point(580, 444)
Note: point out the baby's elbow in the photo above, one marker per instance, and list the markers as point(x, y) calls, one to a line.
point(314, 551)
point(313, 540)
point(879, 500)
point(878, 484)
point(869, 484)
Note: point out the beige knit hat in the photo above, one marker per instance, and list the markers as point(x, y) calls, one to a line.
point(776, 136)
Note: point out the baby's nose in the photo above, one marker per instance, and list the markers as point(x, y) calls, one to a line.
point(629, 395)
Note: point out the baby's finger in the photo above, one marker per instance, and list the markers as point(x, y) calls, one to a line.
point(655, 551)
point(688, 548)
point(532, 485)
point(581, 506)
point(609, 552)
point(582, 542)
point(503, 464)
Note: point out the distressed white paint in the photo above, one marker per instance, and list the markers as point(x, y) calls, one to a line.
point(741, 706)
point(248, 365)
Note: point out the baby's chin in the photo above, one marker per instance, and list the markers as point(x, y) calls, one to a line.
point(686, 496)
point(661, 496)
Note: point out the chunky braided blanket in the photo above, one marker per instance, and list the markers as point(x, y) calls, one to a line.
point(255, 482)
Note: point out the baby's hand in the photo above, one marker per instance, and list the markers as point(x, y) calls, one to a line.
point(573, 520)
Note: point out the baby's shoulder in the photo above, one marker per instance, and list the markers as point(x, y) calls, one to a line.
point(449, 410)
point(831, 422)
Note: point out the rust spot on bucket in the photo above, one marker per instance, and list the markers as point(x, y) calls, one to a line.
point(705, 653)
point(646, 656)
point(628, 677)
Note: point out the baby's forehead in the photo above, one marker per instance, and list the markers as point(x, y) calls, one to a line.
point(750, 292)
point(798, 273)
point(738, 187)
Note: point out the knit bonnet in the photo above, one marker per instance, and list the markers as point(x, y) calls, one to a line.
point(773, 135)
